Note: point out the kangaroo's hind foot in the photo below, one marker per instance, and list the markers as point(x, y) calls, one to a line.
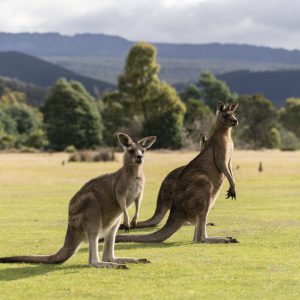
point(108, 265)
point(129, 260)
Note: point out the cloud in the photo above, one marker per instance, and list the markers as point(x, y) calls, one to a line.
point(269, 22)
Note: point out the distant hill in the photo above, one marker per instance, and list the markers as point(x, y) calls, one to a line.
point(276, 85)
point(39, 72)
point(273, 72)
point(35, 94)
point(102, 56)
point(55, 44)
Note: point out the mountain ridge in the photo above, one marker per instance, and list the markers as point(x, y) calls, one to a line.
point(30, 69)
point(88, 44)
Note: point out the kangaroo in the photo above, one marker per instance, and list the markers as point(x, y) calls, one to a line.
point(96, 209)
point(164, 198)
point(199, 184)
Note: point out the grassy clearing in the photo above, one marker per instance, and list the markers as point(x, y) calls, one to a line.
point(34, 194)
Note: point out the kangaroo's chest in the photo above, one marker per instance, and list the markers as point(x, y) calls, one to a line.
point(134, 189)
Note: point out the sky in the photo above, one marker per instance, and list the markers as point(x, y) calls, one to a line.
point(274, 23)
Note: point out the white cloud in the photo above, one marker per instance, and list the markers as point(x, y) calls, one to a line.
point(270, 22)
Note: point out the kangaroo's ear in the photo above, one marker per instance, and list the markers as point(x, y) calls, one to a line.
point(147, 142)
point(221, 106)
point(125, 140)
point(233, 106)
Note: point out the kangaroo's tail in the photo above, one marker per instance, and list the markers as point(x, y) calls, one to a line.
point(161, 209)
point(72, 241)
point(174, 222)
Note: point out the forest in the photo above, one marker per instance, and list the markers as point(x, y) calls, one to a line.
point(140, 104)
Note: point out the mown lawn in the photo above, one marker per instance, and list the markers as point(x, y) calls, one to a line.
point(34, 194)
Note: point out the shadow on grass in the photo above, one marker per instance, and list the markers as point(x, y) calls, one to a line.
point(16, 273)
point(130, 246)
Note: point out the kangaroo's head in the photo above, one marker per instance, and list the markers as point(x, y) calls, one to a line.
point(225, 114)
point(134, 152)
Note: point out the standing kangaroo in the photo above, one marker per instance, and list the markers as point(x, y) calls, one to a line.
point(199, 184)
point(164, 198)
point(96, 209)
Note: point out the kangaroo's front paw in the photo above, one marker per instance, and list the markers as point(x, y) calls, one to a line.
point(231, 193)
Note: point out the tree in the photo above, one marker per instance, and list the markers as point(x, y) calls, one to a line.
point(274, 139)
point(191, 91)
point(140, 74)
point(143, 104)
point(71, 117)
point(290, 115)
point(214, 90)
point(18, 121)
point(257, 117)
point(198, 119)
point(289, 140)
point(165, 117)
point(115, 116)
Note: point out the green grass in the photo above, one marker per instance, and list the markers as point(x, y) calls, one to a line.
point(34, 194)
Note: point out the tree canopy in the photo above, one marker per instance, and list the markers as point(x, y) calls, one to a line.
point(290, 115)
point(258, 119)
point(142, 102)
point(214, 90)
point(71, 117)
point(19, 122)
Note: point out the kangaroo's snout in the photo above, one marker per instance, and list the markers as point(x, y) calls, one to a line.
point(139, 158)
point(235, 122)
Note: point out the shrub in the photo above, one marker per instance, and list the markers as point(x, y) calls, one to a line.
point(70, 149)
point(93, 156)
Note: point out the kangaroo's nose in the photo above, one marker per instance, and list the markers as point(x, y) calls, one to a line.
point(139, 156)
point(235, 122)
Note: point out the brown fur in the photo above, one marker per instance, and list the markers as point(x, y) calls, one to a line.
point(96, 209)
point(199, 184)
point(164, 198)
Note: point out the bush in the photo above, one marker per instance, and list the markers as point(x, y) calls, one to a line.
point(36, 139)
point(7, 141)
point(70, 149)
point(93, 156)
point(28, 150)
point(289, 141)
point(274, 139)
point(105, 155)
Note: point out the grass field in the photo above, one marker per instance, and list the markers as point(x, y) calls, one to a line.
point(34, 194)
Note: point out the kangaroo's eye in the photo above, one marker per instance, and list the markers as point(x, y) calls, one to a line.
point(143, 151)
point(131, 151)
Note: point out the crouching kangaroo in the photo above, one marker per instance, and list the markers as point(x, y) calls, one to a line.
point(199, 184)
point(164, 198)
point(96, 209)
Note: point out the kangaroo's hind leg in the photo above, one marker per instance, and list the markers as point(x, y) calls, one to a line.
point(109, 249)
point(201, 200)
point(94, 258)
point(200, 234)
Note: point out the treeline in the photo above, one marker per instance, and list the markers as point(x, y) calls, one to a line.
point(141, 105)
